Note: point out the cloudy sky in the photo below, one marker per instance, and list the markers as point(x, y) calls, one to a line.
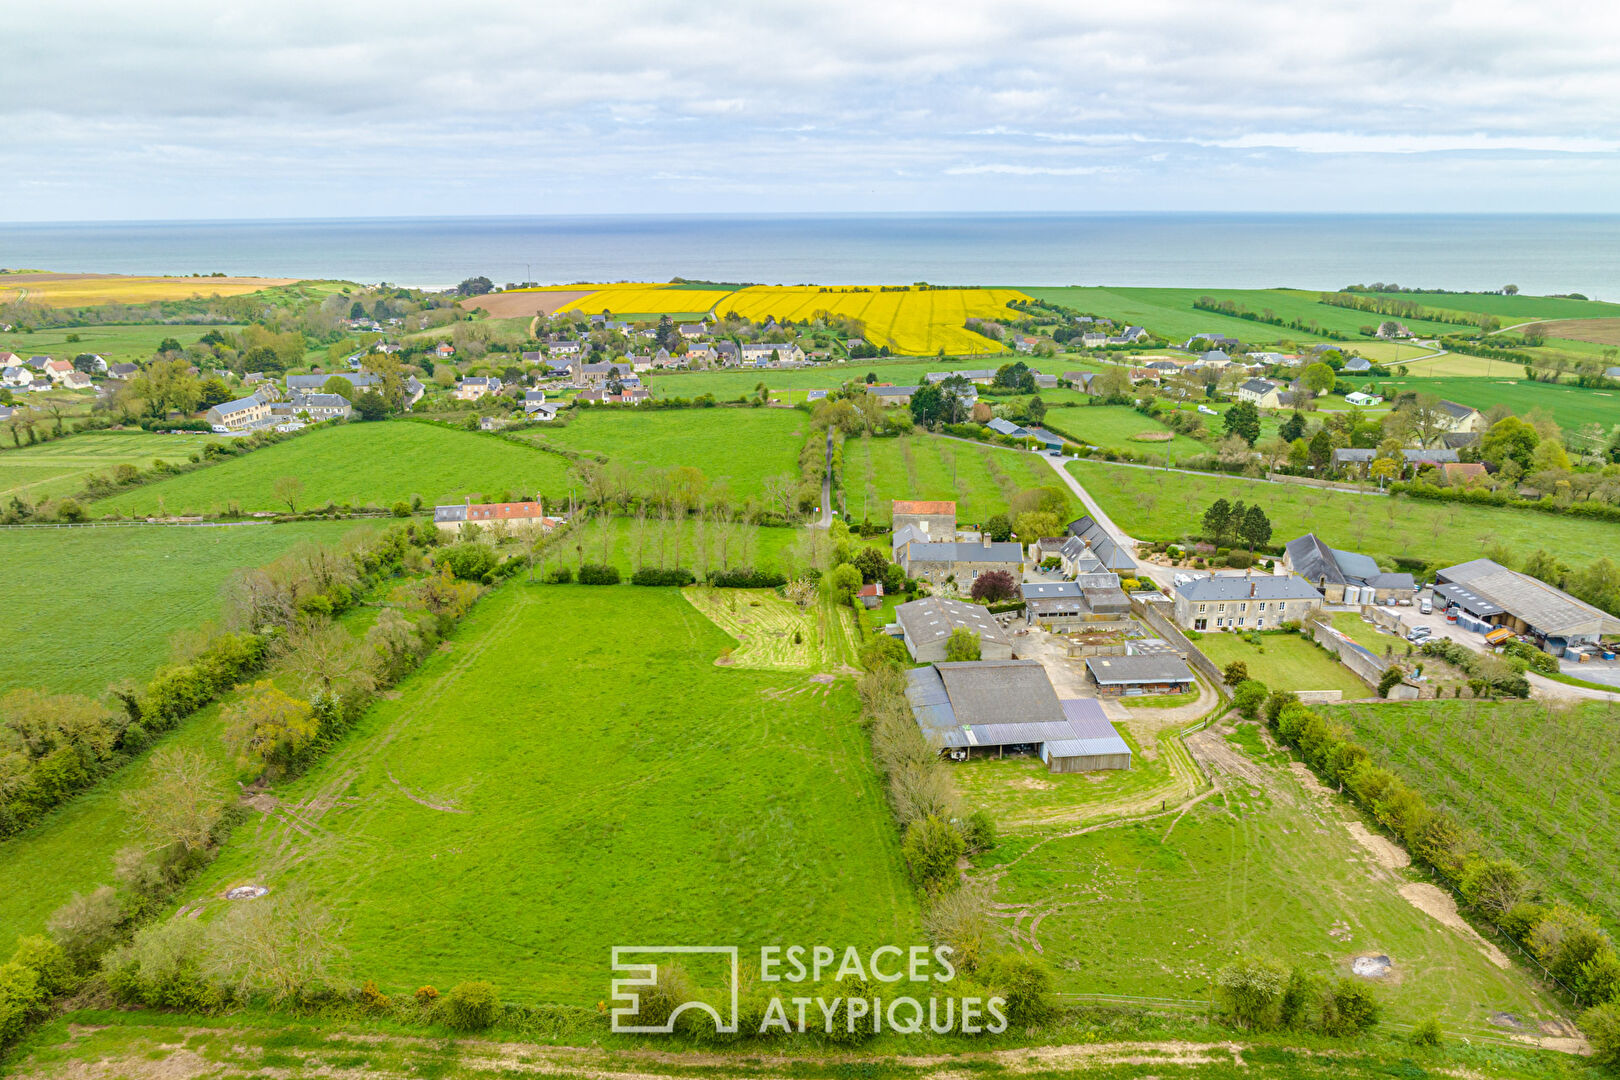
point(168, 109)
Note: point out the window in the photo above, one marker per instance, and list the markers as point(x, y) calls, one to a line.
point(1262, 605)
point(1202, 607)
point(1240, 620)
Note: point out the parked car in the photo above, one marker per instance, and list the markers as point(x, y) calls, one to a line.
point(1418, 633)
point(1426, 606)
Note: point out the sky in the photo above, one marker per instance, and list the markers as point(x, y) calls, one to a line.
point(164, 110)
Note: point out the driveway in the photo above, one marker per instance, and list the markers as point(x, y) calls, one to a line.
point(1165, 576)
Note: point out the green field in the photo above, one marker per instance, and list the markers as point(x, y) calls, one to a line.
point(1170, 314)
point(1285, 662)
point(515, 820)
point(1154, 504)
point(742, 447)
point(1572, 406)
point(1512, 309)
point(731, 384)
point(1266, 866)
point(359, 465)
point(115, 344)
point(1115, 427)
point(94, 605)
point(57, 469)
point(1536, 781)
point(981, 479)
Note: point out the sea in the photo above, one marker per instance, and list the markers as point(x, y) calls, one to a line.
point(1540, 253)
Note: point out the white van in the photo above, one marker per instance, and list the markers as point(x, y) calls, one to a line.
point(1426, 606)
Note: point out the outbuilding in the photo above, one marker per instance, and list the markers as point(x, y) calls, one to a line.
point(1142, 673)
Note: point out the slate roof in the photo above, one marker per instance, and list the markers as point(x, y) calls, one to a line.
point(1456, 440)
point(999, 702)
point(1258, 386)
point(952, 552)
point(1044, 590)
point(1352, 453)
point(1224, 587)
point(1316, 562)
point(934, 617)
point(1429, 457)
point(891, 391)
point(1456, 410)
point(1358, 363)
point(1110, 554)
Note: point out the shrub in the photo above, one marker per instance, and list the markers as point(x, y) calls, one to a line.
point(371, 998)
point(1301, 1000)
point(471, 1006)
point(743, 577)
point(649, 575)
point(883, 651)
point(1601, 1024)
point(932, 846)
point(86, 926)
point(962, 645)
point(979, 832)
point(1250, 697)
point(161, 968)
point(1026, 984)
point(47, 961)
point(1235, 672)
point(1428, 1033)
point(1389, 680)
point(562, 575)
point(1349, 1010)
point(20, 995)
point(1250, 991)
point(469, 561)
point(426, 995)
point(592, 574)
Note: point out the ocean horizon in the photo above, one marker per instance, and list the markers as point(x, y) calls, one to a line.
point(1540, 253)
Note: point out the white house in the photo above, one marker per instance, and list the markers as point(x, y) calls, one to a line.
point(238, 415)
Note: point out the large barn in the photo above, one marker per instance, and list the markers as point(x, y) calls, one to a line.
point(926, 625)
point(1489, 594)
point(991, 708)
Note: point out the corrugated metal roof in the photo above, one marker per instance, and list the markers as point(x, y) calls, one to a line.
point(1142, 668)
point(1095, 747)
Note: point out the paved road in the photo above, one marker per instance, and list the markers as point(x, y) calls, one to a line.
point(826, 488)
point(1164, 575)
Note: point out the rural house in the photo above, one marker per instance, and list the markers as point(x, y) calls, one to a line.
point(937, 562)
point(475, 387)
point(238, 415)
point(123, 371)
point(991, 708)
point(450, 519)
point(935, 519)
point(753, 352)
point(1244, 601)
point(1140, 673)
point(322, 406)
point(1457, 417)
point(926, 624)
point(1343, 577)
point(1095, 539)
point(892, 395)
point(1264, 394)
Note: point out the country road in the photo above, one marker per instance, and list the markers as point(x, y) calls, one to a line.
point(1164, 575)
point(826, 488)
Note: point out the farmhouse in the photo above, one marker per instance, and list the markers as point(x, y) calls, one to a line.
point(1343, 577)
point(1141, 673)
point(238, 415)
point(926, 624)
point(474, 387)
point(935, 562)
point(1486, 593)
point(1264, 393)
point(892, 395)
point(1353, 459)
point(123, 371)
point(1457, 417)
point(753, 352)
point(1247, 601)
point(996, 707)
point(1063, 605)
point(935, 519)
point(322, 406)
point(1096, 539)
point(450, 519)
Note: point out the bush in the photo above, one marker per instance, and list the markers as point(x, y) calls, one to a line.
point(1026, 984)
point(161, 968)
point(426, 995)
point(20, 995)
point(1235, 672)
point(649, 575)
point(746, 578)
point(1349, 1010)
point(471, 1006)
point(883, 651)
point(1389, 680)
point(47, 961)
point(86, 926)
point(1250, 991)
point(562, 575)
point(592, 574)
point(1602, 1027)
point(1428, 1033)
point(932, 846)
point(979, 832)
point(1250, 698)
point(469, 561)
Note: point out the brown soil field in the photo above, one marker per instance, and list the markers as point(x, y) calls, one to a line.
point(511, 305)
point(1597, 331)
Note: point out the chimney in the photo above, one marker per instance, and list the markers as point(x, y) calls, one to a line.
point(1252, 588)
point(985, 539)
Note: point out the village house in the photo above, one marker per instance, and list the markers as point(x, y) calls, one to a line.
point(1464, 473)
point(1244, 601)
point(992, 708)
point(756, 352)
point(451, 519)
point(76, 380)
point(444, 350)
point(565, 347)
point(926, 624)
point(57, 370)
point(125, 371)
point(238, 415)
point(1343, 577)
point(598, 374)
point(939, 561)
point(1457, 417)
point(1095, 539)
point(322, 406)
point(476, 387)
point(892, 395)
point(413, 391)
point(1264, 394)
point(934, 519)
point(976, 376)
point(693, 331)
point(699, 351)
point(1211, 341)
point(1357, 365)
point(1093, 339)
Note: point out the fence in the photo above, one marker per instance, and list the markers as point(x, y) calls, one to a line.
point(1144, 609)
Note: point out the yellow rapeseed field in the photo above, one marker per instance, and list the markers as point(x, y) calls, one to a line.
point(644, 299)
point(912, 322)
point(73, 290)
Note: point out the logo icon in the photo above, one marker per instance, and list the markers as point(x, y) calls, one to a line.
point(646, 974)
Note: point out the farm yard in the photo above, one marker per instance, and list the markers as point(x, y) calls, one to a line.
point(981, 479)
point(1153, 504)
point(58, 469)
point(356, 465)
point(1266, 865)
point(1538, 779)
point(739, 447)
point(94, 605)
point(514, 821)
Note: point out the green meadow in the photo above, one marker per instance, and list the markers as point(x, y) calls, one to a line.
point(741, 447)
point(1285, 662)
point(57, 469)
point(1573, 407)
point(981, 479)
point(560, 780)
point(115, 344)
point(1155, 504)
point(359, 465)
point(93, 605)
point(1119, 427)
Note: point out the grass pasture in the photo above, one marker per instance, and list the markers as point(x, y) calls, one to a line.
point(357, 464)
point(1155, 504)
point(1573, 407)
point(1285, 662)
point(1511, 309)
point(1169, 313)
point(56, 469)
point(1117, 427)
point(514, 821)
point(981, 479)
point(773, 633)
point(92, 605)
point(1266, 865)
point(75, 290)
point(742, 447)
point(115, 344)
point(1537, 781)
